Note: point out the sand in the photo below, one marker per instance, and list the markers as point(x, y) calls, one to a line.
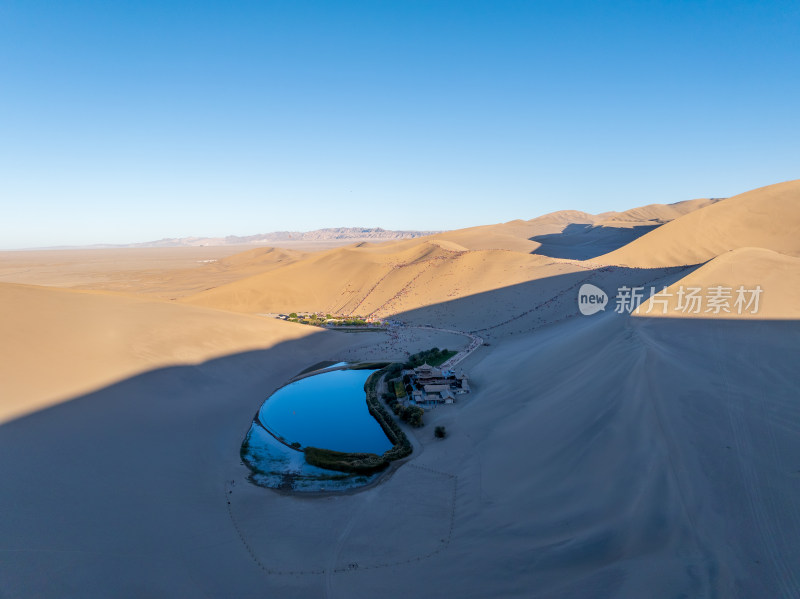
point(768, 217)
point(773, 277)
point(614, 455)
point(59, 344)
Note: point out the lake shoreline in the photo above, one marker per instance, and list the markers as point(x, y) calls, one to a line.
point(277, 469)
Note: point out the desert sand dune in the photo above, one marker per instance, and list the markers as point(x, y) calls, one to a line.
point(513, 234)
point(595, 457)
point(767, 217)
point(629, 462)
point(382, 280)
point(421, 282)
point(172, 283)
point(571, 233)
point(175, 273)
point(660, 213)
point(601, 456)
point(610, 230)
point(490, 237)
point(58, 343)
point(583, 242)
point(516, 235)
point(265, 257)
point(354, 281)
point(777, 275)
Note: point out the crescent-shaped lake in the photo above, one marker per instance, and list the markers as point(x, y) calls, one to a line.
point(326, 410)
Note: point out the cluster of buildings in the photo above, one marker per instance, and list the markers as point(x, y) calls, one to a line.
point(431, 386)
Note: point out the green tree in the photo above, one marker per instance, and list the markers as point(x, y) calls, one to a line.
point(415, 417)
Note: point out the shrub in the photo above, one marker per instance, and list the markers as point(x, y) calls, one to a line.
point(412, 415)
point(433, 356)
point(393, 371)
point(415, 417)
point(440, 432)
point(360, 463)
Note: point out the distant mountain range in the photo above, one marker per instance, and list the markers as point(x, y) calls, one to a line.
point(338, 233)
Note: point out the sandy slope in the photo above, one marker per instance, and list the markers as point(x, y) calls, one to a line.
point(595, 459)
point(379, 280)
point(58, 343)
point(778, 276)
point(623, 469)
point(172, 273)
point(521, 235)
point(660, 213)
point(385, 279)
point(515, 235)
point(768, 217)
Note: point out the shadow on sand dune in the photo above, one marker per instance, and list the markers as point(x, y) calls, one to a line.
point(584, 241)
point(601, 453)
point(527, 306)
point(120, 492)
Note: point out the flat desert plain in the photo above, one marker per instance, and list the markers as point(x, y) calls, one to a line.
point(650, 453)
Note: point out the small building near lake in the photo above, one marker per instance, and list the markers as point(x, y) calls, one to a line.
point(431, 386)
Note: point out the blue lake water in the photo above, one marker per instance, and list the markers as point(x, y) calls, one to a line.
point(327, 410)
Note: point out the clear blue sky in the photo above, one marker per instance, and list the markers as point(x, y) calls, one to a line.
point(132, 121)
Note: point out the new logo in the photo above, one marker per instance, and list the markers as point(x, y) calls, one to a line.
point(591, 299)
